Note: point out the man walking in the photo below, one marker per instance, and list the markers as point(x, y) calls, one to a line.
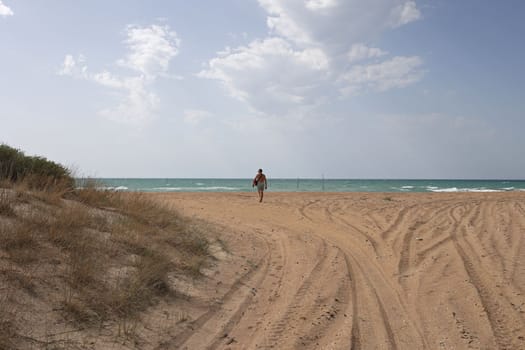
point(261, 183)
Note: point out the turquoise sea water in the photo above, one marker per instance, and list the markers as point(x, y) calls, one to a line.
point(313, 185)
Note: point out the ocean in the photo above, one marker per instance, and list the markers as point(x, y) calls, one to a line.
point(310, 185)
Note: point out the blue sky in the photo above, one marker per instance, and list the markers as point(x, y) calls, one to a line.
point(348, 89)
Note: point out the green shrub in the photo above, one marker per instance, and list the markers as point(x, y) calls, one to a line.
point(37, 172)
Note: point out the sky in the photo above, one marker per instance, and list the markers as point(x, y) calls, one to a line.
point(300, 88)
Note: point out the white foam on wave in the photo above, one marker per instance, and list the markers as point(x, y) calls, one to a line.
point(193, 189)
point(481, 190)
point(170, 188)
point(437, 189)
point(455, 189)
point(112, 188)
point(221, 188)
point(508, 188)
point(402, 188)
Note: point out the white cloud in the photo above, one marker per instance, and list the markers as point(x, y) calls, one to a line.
point(68, 66)
point(359, 52)
point(5, 10)
point(311, 49)
point(137, 104)
point(195, 116)
point(151, 49)
point(107, 79)
point(397, 72)
point(333, 24)
point(320, 4)
point(269, 74)
point(150, 52)
point(74, 67)
point(404, 14)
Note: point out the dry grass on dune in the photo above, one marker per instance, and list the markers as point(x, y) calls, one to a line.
point(90, 258)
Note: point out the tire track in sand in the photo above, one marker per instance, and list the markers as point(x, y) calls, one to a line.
point(329, 212)
point(329, 316)
point(366, 288)
point(356, 332)
point(408, 253)
point(278, 261)
point(355, 341)
point(290, 314)
point(500, 314)
point(397, 222)
point(302, 209)
point(255, 275)
point(380, 312)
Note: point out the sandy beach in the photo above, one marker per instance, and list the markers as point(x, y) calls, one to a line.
point(364, 271)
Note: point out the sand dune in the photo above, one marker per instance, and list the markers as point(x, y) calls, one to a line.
point(366, 271)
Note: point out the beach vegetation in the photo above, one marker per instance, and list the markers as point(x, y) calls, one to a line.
point(97, 258)
point(34, 171)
